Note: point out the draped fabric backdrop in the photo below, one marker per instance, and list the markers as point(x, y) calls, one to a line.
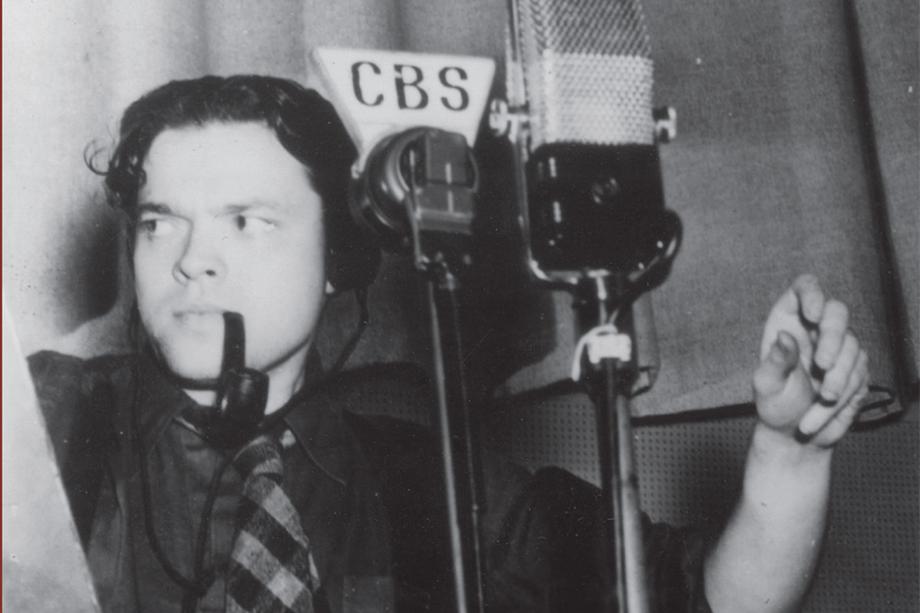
point(768, 172)
point(790, 157)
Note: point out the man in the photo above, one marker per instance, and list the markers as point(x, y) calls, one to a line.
point(234, 190)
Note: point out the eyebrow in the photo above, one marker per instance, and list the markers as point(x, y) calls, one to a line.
point(153, 207)
point(240, 207)
point(232, 209)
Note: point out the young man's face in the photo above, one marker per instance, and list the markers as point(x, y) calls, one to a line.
point(228, 221)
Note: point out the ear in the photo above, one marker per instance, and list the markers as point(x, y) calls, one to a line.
point(330, 290)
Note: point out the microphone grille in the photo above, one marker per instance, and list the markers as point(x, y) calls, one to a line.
point(587, 71)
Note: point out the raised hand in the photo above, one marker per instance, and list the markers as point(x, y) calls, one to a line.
point(813, 372)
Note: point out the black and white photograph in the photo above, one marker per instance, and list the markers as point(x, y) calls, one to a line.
point(461, 306)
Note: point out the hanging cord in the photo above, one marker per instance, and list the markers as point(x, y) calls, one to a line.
point(643, 278)
point(363, 321)
point(874, 411)
point(196, 586)
point(205, 577)
point(273, 420)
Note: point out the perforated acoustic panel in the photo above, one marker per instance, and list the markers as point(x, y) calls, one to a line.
point(690, 473)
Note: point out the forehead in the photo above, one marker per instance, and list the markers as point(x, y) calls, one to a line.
point(221, 161)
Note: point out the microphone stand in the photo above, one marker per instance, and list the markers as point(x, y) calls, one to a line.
point(636, 248)
point(458, 429)
point(610, 384)
point(442, 182)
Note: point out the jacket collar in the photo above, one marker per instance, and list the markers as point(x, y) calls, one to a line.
point(319, 429)
point(157, 401)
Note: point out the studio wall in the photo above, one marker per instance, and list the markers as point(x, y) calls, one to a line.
point(788, 159)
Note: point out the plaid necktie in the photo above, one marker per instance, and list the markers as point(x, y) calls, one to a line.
point(270, 566)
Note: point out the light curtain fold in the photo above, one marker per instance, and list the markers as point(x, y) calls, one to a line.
point(767, 171)
point(888, 44)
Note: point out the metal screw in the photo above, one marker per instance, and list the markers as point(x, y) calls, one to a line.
point(605, 190)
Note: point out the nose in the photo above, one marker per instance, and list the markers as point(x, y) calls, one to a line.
point(201, 258)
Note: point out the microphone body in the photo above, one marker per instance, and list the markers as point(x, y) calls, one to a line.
point(421, 180)
point(594, 207)
point(582, 72)
point(414, 119)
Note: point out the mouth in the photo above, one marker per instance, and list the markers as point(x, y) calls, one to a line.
point(198, 314)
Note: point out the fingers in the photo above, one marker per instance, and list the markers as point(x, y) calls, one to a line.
point(797, 311)
point(822, 319)
point(840, 413)
point(839, 424)
point(832, 330)
point(858, 384)
point(780, 360)
point(809, 297)
point(813, 372)
point(836, 378)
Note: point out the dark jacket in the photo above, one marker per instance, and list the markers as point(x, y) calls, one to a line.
point(369, 491)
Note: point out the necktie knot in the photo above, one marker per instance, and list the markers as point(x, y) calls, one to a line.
point(261, 457)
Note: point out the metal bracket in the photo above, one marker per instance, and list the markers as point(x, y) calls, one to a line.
point(665, 123)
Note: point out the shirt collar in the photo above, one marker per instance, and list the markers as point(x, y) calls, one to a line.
point(309, 414)
point(159, 400)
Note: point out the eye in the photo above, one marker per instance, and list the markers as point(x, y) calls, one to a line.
point(249, 224)
point(155, 226)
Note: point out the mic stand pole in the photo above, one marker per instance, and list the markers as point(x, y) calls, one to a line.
point(442, 181)
point(610, 384)
point(458, 431)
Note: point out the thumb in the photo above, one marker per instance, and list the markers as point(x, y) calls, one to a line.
point(780, 360)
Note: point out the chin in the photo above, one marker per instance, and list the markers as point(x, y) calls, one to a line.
point(191, 362)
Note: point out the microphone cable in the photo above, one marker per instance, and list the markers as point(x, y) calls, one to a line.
point(196, 586)
point(352, 342)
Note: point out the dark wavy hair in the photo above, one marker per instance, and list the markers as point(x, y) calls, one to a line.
point(306, 125)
